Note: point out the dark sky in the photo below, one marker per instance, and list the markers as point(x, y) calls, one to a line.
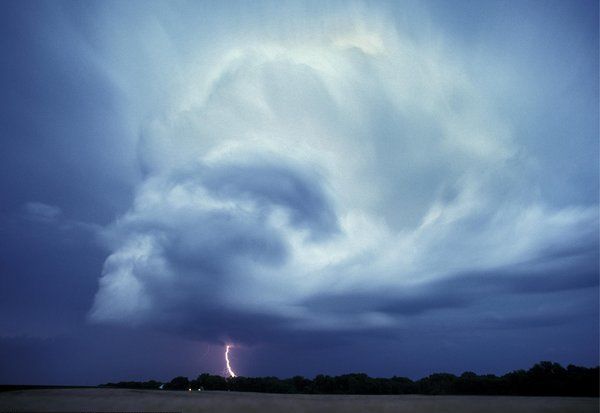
point(392, 188)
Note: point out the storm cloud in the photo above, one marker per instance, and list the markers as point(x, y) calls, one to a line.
point(343, 177)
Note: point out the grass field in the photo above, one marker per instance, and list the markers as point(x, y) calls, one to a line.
point(225, 402)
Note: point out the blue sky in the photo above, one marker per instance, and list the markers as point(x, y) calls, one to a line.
point(396, 188)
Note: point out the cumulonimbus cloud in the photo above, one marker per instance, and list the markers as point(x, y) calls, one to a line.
point(342, 179)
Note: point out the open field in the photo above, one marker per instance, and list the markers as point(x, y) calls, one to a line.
point(225, 402)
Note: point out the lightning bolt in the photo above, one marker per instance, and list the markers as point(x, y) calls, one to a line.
point(229, 369)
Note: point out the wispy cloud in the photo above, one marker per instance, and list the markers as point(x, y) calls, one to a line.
point(42, 212)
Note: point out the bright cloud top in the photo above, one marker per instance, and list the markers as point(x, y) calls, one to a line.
point(330, 180)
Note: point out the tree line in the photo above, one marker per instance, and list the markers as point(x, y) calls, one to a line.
point(543, 379)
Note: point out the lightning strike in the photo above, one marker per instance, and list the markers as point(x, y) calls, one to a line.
point(229, 369)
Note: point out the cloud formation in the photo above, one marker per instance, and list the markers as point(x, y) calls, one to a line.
point(352, 176)
point(42, 212)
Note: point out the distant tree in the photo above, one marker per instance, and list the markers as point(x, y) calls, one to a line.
point(301, 384)
point(516, 383)
point(583, 381)
point(546, 378)
point(211, 382)
point(323, 385)
point(402, 385)
point(438, 383)
point(543, 379)
point(149, 385)
point(178, 383)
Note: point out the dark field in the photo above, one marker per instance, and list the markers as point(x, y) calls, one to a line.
point(225, 402)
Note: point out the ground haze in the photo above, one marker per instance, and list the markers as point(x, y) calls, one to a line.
point(225, 402)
